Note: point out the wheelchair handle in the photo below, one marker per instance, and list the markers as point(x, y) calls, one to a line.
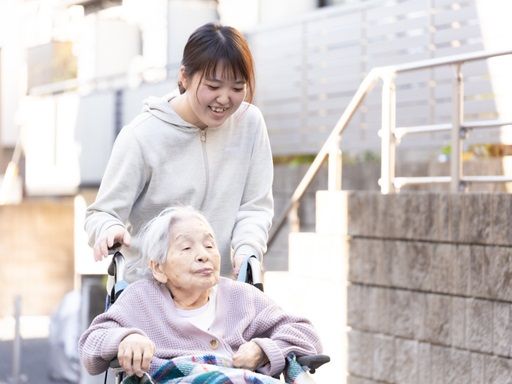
point(251, 273)
point(114, 248)
point(115, 279)
point(117, 267)
point(255, 266)
point(313, 362)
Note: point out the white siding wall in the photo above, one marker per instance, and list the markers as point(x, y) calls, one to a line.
point(95, 134)
point(308, 70)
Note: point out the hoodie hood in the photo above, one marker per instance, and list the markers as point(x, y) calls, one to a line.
point(161, 109)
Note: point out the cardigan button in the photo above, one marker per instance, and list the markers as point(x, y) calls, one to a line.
point(214, 343)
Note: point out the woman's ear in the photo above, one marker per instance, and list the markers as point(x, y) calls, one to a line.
point(157, 271)
point(182, 77)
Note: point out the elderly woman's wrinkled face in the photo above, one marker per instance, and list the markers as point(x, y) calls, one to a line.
point(193, 260)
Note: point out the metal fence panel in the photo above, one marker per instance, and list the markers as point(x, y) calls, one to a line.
point(312, 67)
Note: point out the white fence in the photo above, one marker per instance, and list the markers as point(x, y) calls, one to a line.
point(308, 69)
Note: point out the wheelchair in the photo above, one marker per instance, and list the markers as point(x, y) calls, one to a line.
point(250, 273)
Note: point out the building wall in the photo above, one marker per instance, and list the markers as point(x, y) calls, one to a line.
point(36, 255)
point(184, 16)
point(429, 296)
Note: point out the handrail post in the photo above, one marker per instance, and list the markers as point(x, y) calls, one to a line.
point(335, 167)
point(293, 218)
point(388, 141)
point(457, 119)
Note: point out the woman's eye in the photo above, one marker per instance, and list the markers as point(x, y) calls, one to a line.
point(212, 87)
point(186, 249)
point(239, 89)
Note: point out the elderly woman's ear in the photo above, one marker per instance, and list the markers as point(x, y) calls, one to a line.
point(158, 273)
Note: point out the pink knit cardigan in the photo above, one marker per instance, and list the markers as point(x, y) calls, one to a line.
point(243, 313)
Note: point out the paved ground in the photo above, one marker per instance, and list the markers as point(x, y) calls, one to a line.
point(34, 362)
point(36, 351)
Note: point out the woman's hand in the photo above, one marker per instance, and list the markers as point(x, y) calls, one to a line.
point(135, 353)
point(249, 356)
point(114, 234)
point(237, 263)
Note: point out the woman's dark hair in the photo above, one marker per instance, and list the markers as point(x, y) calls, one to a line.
point(213, 43)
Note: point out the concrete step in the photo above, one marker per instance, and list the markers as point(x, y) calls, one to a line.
point(331, 212)
point(318, 255)
point(315, 287)
point(320, 301)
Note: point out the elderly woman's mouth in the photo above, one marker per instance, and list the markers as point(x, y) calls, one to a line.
point(204, 271)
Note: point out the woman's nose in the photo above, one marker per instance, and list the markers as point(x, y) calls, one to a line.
point(202, 255)
point(223, 97)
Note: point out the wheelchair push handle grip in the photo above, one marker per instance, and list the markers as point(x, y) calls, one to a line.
point(255, 267)
point(313, 362)
point(117, 267)
point(251, 273)
point(116, 247)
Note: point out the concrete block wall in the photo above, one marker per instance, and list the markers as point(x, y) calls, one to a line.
point(430, 293)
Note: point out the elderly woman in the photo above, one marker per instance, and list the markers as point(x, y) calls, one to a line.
point(184, 308)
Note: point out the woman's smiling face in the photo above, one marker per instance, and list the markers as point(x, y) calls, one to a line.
point(212, 98)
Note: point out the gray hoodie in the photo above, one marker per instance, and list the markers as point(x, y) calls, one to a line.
point(160, 160)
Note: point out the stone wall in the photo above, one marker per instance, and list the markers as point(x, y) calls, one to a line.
point(36, 254)
point(430, 293)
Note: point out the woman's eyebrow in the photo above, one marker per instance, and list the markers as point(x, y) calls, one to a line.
point(185, 236)
point(180, 236)
point(207, 78)
point(207, 235)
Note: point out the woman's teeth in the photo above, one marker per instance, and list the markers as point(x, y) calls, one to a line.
point(217, 109)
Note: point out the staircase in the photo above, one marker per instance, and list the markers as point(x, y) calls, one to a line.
point(317, 281)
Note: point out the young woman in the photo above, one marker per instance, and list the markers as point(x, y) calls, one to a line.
point(207, 147)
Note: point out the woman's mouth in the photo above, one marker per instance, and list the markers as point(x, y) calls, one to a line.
point(218, 109)
point(205, 271)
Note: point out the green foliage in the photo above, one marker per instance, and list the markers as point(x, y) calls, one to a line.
point(294, 160)
point(301, 159)
point(446, 150)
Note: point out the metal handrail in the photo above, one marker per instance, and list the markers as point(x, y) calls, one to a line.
point(332, 141)
point(448, 60)
point(402, 131)
point(390, 134)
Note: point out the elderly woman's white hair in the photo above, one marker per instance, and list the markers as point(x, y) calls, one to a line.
point(155, 236)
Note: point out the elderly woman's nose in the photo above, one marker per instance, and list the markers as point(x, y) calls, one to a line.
point(202, 254)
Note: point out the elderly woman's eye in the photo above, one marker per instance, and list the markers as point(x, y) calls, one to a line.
point(186, 249)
